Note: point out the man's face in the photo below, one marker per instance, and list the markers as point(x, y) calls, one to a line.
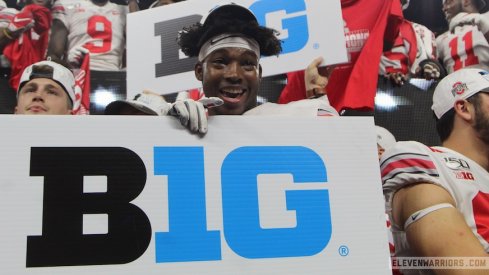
point(481, 124)
point(42, 96)
point(232, 74)
point(451, 8)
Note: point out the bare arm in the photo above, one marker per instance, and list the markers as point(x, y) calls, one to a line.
point(58, 42)
point(442, 233)
point(133, 5)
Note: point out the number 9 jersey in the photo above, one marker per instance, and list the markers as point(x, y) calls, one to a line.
point(100, 29)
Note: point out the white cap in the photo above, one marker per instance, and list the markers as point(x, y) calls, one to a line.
point(384, 138)
point(458, 85)
point(147, 102)
point(62, 75)
point(236, 10)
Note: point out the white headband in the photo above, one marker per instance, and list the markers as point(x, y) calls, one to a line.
point(228, 40)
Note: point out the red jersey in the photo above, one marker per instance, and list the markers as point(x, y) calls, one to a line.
point(368, 23)
point(31, 46)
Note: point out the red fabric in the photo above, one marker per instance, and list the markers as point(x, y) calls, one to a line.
point(406, 35)
point(420, 164)
point(480, 204)
point(195, 94)
point(353, 85)
point(407, 32)
point(26, 50)
point(81, 106)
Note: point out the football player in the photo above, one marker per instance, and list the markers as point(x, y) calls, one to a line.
point(89, 26)
point(437, 197)
point(46, 88)
point(465, 43)
point(24, 35)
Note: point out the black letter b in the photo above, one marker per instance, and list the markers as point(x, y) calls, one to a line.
point(62, 242)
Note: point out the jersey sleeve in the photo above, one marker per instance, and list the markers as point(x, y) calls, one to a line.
point(394, 22)
point(59, 11)
point(6, 15)
point(295, 88)
point(394, 60)
point(426, 45)
point(404, 164)
point(42, 17)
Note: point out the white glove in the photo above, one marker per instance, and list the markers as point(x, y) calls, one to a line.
point(193, 114)
point(76, 55)
point(476, 19)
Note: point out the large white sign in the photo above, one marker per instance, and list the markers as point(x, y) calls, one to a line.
point(141, 195)
point(309, 28)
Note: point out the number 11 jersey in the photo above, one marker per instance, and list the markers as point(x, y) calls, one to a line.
point(465, 47)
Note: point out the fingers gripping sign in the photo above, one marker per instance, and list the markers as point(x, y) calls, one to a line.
point(193, 114)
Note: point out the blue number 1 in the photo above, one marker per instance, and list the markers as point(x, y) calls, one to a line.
point(188, 239)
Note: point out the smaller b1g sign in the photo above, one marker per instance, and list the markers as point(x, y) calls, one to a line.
point(142, 198)
point(308, 29)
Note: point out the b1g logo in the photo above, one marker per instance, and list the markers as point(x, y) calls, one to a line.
point(292, 20)
point(63, 242)
point(286, 16)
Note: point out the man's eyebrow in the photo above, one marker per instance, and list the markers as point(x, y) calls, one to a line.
point(30, 85)
point(51, 86)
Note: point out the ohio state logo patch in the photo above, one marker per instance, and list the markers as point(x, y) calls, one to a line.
point(459, 88)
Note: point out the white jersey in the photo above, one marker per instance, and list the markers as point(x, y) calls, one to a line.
point(415, 43)
point(466, 181)
point(100, 29)
point(465, 47)
point(426, 45)
point(300, 108)
point(6, 15)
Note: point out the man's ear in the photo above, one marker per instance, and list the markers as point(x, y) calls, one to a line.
point(259, 71)
point(199, 71)
point(464, 109)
